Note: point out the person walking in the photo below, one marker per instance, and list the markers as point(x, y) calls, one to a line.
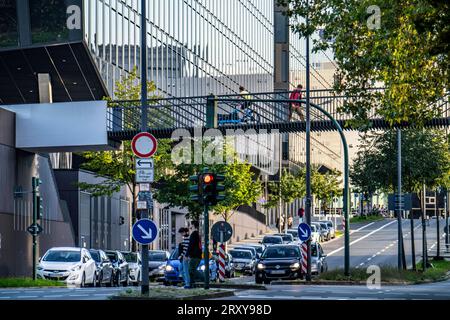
point(184, 260)
point(194, 253)
point(296, 106)
point(245, 107)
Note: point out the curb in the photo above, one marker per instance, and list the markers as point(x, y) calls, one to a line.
point(200, 297)
point(356, 283)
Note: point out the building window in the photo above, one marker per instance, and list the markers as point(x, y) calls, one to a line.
point(9, 36)
point(48, 21)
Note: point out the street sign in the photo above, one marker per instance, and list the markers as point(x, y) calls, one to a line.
point(146, 197)
point(35, 229)
point(304, 232)
point(221, 231)
point(144, 145)
point(405, 202)
point(145, 231)
point(144, 187)
point(141, 205)
point(148, 164)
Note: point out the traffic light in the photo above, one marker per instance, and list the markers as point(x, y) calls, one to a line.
point(219, 188)
point(40, 212)
point(208, 187)
point(194, 189)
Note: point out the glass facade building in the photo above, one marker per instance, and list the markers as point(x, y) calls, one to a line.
point(195, 47)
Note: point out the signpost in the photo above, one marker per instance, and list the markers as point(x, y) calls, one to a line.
point(222, 232)
point(144, 145)
point(145, 231)
point(304, 232)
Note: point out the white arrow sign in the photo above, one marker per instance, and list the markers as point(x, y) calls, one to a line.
point(147, 235)
point(304, 233)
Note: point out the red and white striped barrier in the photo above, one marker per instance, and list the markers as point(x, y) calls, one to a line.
point(222, 263)
point(304, 258)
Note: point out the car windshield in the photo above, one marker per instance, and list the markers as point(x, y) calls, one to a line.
point(174, 255)
point(258, 249)
point(157, 256)
point(241, 254)
point(313, 228)
point(294, 233)
point(95, 255)
point(286, 237)
point(62, 256)
point(130, 256)
point(251, 249)
point(273, 240)
point(112, 256)
point(324, 225)
point(281, 253)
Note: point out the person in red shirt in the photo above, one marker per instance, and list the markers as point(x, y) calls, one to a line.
point(296, 107)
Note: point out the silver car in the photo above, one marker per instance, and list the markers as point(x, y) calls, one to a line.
point(318, 259)
point(244, 261)
point(330, 228)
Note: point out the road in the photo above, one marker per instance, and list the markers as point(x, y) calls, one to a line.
point(63, 293)
point(435, 291)
point(376, 244)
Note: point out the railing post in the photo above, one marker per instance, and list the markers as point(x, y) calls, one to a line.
point(211, 112)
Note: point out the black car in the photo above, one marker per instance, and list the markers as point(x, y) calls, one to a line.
point(121, 268)
point(279, 262)
point(287, 237)
point(105, 269)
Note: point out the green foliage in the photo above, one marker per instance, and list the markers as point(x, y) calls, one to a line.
point(28, 283)
point(403, 55)
point(425, 160)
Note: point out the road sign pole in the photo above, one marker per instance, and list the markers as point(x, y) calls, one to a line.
point(145, 265)
point(399, 203)
point(413, 244)
point(446, 220)
point(308, 149)
point(438, 227)
point(424, 230)
point(206, 250)
point(35, 183)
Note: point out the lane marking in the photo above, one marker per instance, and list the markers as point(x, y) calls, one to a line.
point(5, 297)
point(362, 238)
point(27, 297)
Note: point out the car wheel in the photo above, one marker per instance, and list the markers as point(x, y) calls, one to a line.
point(266, 281)
point(83, 281)
point(118, 276)
point(94, 280)
point(126, 283)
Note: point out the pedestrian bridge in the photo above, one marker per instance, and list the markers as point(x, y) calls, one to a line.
point(268, 112)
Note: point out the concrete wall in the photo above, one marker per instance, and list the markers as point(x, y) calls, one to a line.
point(16, 170)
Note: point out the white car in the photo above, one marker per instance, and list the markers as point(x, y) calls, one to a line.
point(315, 233)
point(74, 266)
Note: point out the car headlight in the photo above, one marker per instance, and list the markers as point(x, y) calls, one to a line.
point(295, 266)
point(169, 268)
point(261, 266)
point(39, 268)
point(76, 268)
point(202, 268)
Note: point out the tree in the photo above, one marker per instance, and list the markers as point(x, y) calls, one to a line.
point(240, 187)
point(325, 186)
point(393, 50)
point(117, 167)
point(425, 161)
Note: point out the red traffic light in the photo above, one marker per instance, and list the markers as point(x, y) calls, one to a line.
point(208, 178)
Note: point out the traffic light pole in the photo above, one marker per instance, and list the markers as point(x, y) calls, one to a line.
point(206, 249)
point(144, 253)
point(399, 202)
point(35, 184)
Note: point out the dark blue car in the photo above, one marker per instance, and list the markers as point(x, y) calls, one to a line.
point(172, 273)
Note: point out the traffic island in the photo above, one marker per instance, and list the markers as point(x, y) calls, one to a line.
point(29, 283)
point(175, 294)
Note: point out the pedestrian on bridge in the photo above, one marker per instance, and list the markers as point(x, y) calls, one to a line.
point(296, 106)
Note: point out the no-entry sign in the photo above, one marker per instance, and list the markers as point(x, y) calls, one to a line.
point(144, 145)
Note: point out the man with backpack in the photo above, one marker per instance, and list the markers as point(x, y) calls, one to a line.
point(296, 106)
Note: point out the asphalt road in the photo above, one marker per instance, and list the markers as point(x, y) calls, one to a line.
point(435, 291)
point(376, 244)
point(59, 293)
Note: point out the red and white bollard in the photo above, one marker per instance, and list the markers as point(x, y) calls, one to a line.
point(304, 258)
point(222, 263)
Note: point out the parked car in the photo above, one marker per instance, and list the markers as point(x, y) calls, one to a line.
point(74, 266)
point(157, 260)
point(272, 240)
point(105, 269)
point(172, 274)
point(134, 266)
point(287, 237)
point(330, 228)
point(229, 266)
point(294, 234)
point(318, 259)
point(315, 233)
point(279, 262)
point(258, 247)
point(245, 247)
point(244, 261)
point(121, 268)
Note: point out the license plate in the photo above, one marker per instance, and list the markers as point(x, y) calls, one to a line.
point(277, 272)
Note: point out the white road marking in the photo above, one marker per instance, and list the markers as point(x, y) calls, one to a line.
point(53, 296)
point(362, 238)
point(5, 297)
point(27, 297)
